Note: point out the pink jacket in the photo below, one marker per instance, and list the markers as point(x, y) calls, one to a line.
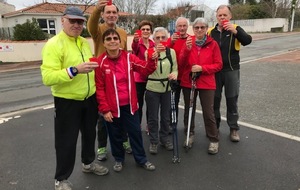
point(138, 49)
point(106, 84)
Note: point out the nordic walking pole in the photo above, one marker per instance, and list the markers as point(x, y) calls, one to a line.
point(194, 76)
point(175, 158)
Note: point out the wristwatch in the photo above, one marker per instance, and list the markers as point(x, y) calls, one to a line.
point(74, 71)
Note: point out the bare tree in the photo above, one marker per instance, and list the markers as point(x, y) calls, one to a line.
point(141, 7)
point(86, 3)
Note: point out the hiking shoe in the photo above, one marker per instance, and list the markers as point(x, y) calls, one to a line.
point(149, 166)
point(213, 148)
point(190, 143)
point(234, 136)
point(153, 148)
point(95, 168)
point(118, 166)
point(102, 154)
point(127, 147)
point(62, 185)
point(168, 145)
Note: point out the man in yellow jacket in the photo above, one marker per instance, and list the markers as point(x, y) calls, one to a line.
point(66, 68)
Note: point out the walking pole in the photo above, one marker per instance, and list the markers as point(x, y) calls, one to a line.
point(194, 77)
point(175, 158)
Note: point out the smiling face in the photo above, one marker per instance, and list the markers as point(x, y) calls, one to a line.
point(146, 31)
point(200, 30)
point(112, 42)
point(110, 15)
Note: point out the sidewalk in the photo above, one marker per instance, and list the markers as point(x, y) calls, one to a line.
point(4, 67)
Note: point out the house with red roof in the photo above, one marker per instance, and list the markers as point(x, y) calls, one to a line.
point(47, 14)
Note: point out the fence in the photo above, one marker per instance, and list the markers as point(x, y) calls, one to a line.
point(6, 33)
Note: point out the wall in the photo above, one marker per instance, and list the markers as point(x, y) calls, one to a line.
point(31, 51)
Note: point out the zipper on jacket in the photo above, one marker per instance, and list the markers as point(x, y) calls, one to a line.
point(229, 50)
point(87, 74)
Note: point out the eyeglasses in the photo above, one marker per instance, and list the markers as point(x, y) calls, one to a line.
point(145, 29)
point(199, 27)
point(78, 21)
point(111, 38)
point(160, 37)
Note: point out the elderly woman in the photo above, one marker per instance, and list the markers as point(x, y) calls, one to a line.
point(158, 92)
point(139, 46)
point(117, 98)
point(202, 55)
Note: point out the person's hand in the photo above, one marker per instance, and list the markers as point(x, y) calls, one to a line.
point(175, 37)
point(155, 54)
point(136, 37)
point(101, 4)
point(86, 67)
point(189, 43)
point(172, 76)
point(108, 117)
point(196, 68)
point(160, 48)
point(229, 27)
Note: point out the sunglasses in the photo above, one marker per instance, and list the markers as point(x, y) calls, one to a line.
point(160, 37)
point(199, 27)
point(145, 29)
point(111, 38)
point(78, 21)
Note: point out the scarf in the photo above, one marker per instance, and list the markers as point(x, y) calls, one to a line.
point(200, 42)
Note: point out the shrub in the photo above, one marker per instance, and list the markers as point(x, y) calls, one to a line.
point(30, 30)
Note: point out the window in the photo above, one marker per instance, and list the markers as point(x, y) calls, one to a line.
point(47, 25)
point(195, 14)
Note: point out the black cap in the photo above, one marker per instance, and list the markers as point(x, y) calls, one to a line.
point(74, 13)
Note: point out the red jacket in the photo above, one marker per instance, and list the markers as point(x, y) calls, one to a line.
point(208, 56)
point(106, 84)
point(177, 46)
point(138, 49)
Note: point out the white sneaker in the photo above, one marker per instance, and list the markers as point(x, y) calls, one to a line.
point(63, 185)
point(95, 168)
point(213, 148)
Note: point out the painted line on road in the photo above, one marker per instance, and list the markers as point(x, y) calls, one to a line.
point(279, 53)
point(49, 106)
point(248, 125)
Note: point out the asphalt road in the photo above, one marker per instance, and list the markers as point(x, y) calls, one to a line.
point(267, 157)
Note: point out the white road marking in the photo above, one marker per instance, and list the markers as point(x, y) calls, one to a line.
point(259, 128)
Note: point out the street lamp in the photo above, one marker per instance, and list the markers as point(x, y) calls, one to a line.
point(293, 15)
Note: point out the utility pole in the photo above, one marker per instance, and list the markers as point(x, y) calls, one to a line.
point(292, 14)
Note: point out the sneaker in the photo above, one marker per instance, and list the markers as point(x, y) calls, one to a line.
point(63, 185)
point(168, 145)
point(102, 154)
point(127, 147)
point(153, 148)
point(190, 143)
point(213, 148)
point(234, 136)
point(149, 166)
point(118, 166)
point(95, 168)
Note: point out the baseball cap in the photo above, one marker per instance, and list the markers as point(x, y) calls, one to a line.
point(74, 13)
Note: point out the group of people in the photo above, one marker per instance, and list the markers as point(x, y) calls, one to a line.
point(108, 89)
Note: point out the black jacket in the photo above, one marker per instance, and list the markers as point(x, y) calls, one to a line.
point(230, 45)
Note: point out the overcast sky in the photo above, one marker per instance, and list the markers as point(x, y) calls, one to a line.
point(20, 4)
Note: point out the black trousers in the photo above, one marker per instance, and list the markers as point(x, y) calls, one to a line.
point(230, 80)
point(72, 116)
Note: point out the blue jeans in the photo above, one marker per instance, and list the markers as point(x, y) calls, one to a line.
point(131, 124)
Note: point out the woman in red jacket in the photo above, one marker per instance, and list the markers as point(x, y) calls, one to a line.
point(203, 56)
point(117, 98)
